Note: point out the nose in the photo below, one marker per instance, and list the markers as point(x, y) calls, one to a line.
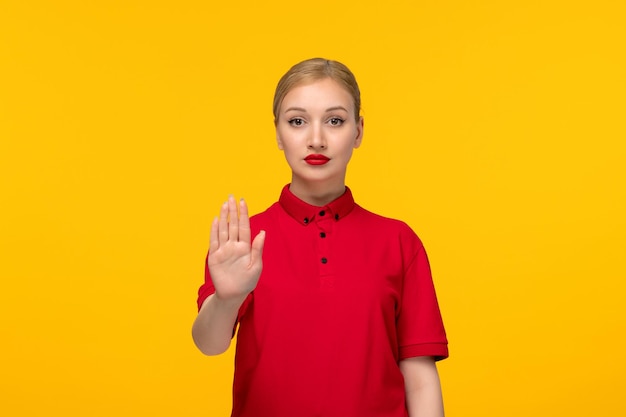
point(316, 139)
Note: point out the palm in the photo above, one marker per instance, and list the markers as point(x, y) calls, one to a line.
point(234, 262)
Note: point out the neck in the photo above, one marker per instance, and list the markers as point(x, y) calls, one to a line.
point(317, 194)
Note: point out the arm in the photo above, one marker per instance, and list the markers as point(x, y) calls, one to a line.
point(235, 266)
point(423, 390)
point(212, 330)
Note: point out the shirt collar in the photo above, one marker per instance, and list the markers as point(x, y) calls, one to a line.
point(306, 213)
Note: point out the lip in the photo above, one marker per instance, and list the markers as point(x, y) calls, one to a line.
point(316, 159)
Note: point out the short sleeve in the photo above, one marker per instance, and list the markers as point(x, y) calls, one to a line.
point(207, 288)
point(420, 326)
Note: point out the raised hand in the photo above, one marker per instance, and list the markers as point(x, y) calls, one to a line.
point(235, 264)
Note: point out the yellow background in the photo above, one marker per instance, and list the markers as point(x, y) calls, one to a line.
point(495, 129)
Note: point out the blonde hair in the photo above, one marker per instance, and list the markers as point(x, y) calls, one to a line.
point(316, 69)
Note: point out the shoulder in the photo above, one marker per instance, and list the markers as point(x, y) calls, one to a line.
point(388, 231)
point(390, 224)
point(262, 219)
point(392, 241)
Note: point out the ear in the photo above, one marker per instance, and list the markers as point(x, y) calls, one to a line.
point(279, 141)
point(359, 131)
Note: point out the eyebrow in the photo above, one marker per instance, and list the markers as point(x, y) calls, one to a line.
point(337, 108)
point(304, 110)
point(295, 109)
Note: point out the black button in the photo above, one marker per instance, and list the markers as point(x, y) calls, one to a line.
point(322, 235)
point(322, 213)
point(306, 220)
point(324, 260)
point(336, 217)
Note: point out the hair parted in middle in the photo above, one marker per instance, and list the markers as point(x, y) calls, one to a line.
point(316, 69)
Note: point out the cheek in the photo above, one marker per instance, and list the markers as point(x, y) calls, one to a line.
point(349, 145)
point(289, 150)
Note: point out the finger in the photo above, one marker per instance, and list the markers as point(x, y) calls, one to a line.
point(244, 222)
point(214, 242)
point(258, 243)
point(223, 225)
point(233, 221)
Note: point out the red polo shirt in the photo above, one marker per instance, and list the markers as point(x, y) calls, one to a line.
point(344, 295)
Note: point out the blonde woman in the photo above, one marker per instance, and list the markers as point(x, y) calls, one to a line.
point(335, 306)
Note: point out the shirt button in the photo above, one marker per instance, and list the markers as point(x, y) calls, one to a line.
point(306, 220)
point(324, 260)
point(336, 217)
point(322, 213)
point(322, 235)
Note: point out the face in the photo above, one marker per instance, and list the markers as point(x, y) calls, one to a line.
point(317, 130)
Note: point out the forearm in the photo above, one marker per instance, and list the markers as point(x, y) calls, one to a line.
point(212, 329)
point(423, 389)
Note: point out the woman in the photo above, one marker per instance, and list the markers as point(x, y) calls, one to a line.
point(335, 305)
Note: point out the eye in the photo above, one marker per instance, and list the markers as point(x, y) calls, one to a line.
point(296, 121)
point(336, 121)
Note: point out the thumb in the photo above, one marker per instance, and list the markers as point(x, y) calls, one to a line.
point(257, 246)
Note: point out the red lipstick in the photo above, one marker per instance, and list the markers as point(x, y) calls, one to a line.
point(316, 159)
